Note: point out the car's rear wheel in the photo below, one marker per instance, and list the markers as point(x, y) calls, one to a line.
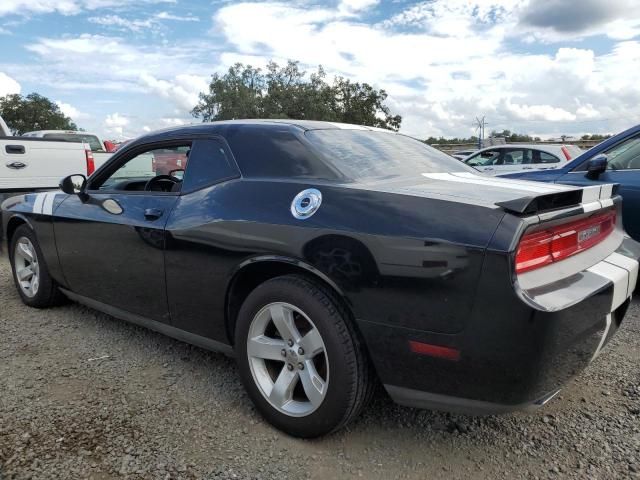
point(30, 273)
point(300, 358)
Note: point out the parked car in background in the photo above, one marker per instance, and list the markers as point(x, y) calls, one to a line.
point(515, 157)
point(462, 154)
point(615, 160)
point(281, 245)
point(31, 163)
point(101, 149)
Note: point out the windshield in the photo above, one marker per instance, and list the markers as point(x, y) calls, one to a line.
point(366, 154)
point(92, 140)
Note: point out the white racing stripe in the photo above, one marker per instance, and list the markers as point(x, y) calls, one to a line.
point(38, 202)
point(591, 206)
point(616, 275)
point(590, 194)
point(43, 204)
point(604, 337)
point(470, 178)
point(606, 191)
point(629, 264)
point(47, 206)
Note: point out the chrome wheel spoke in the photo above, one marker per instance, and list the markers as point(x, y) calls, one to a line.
point(25, 251)
point(282, 391)
point(312, 383)
point(35, 283)
point(312, 343)
point(266, 348)
point(25, 273)
point(283, 320)
point(25, 264)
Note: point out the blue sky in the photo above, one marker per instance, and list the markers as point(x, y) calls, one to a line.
point(543, 67)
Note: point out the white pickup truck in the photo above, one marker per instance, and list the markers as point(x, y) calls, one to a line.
point(28, 164)
point(102, 149)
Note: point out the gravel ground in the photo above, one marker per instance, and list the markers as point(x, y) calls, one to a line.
point(83, 395)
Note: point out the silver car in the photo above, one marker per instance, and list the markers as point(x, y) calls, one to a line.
point(515, 157)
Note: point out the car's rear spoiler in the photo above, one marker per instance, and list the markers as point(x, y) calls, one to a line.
point(553, 201)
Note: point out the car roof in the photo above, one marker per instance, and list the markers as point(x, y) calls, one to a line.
point(216, 127)
point(547, 147)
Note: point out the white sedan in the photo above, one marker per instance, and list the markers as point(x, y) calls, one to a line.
point(512, 158)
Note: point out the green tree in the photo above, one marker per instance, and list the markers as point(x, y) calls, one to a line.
point(287, 92)
point(595, 136)
point(33, 112)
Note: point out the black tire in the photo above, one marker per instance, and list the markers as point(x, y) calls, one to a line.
point(351, 378)
point(48, 294)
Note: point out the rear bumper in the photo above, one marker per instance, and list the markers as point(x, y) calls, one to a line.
point(513, 355)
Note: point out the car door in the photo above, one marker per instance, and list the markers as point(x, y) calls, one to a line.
point(623, 168)
point(111, 240)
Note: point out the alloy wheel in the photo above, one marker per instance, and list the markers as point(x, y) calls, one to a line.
point(288, 359)
point(25, 261)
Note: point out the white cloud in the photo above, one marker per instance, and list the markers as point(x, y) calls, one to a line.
point(182, 90)
point(137, 25)
point(71, 111)
point(442, 62)
point(117, 21)
point(177, 18)
point(114, 125)
point(8, 85)
point(65, 7)
point(449, 66)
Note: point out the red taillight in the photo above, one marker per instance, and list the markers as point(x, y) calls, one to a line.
point(91, 164)
point(567, 153)
point(540, 248)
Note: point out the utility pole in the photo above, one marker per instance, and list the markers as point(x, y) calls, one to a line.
point(480, 125)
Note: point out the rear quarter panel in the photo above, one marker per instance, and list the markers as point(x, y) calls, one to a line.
point(398, 259)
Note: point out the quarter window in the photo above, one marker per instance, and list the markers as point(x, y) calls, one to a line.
point(544, 157)
point(208, 164)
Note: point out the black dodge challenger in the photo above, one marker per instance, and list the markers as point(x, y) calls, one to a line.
point(329, 257)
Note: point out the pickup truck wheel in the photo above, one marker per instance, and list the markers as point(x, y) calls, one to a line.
point(300, 358)
point(30, 273)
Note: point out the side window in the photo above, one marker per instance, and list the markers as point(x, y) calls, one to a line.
point(483, 159)
point(625, 156)
point(208, 164)
point(511, 157)
point(544, 157)
point(134, 174)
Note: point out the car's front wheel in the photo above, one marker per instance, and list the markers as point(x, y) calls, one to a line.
point(300, 358)
point(30, 273)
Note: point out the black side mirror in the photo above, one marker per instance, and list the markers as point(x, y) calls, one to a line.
point(73, 184)
point(597, 166)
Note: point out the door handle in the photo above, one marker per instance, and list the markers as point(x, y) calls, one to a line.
point(14, 149)
point(153, 213)
point(16, 165)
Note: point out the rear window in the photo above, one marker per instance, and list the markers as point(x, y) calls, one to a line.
point(92, 140)
point(366, 154)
